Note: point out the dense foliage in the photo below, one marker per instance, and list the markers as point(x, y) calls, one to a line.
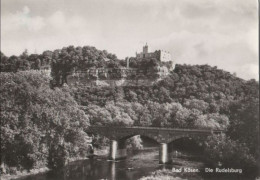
point(67, 57)
point(196, 96)
point(154, 114)
point(25, 62)
point(39, 123)
point(191, 97)
point(229, 154)
point(62, 61)
point(67, 60)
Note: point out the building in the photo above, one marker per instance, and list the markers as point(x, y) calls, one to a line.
point(158, 54)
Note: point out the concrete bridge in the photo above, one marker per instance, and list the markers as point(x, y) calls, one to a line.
point(164, 136)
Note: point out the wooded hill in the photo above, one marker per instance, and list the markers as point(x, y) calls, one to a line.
point(37, 118)
point(63, 62)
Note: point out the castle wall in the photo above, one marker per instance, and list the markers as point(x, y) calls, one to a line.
point(160, 55)
point(122, 82)
point(117, 77)
point(165, 56)
point(148, 55)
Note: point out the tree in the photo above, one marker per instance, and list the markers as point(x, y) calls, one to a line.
point(229, 153)
point(36, 120)
point(120, 118)
point(24, 55)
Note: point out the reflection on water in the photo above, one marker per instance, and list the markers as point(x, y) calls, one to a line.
point(97, 168)
point(133, 168)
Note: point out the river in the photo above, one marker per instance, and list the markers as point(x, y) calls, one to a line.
point(134, 167)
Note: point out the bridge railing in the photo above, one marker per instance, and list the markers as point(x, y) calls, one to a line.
point(158, 128)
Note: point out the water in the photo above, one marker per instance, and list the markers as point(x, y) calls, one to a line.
point(97, 168)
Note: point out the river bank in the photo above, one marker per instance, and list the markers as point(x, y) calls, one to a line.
point(141, 165)
point(171, 172)
point(21, 174)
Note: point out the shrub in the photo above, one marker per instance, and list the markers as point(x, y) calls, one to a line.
point(134, 143)
point(220, 149)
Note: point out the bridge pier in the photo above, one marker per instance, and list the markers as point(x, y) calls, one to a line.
point(117, 150)
point(163, 135)
point(164, 153)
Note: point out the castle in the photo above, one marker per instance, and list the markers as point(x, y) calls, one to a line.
point(162, 56)
point(126, 75)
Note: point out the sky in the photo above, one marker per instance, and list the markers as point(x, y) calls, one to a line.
point(222, 33)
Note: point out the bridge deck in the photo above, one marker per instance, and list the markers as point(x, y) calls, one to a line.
point(156, 128)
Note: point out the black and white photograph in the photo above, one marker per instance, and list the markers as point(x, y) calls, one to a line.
point(129, 90)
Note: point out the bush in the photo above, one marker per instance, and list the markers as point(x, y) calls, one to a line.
point(58, 157)
point(100, 141)
point(134, 143)
point(221, 150)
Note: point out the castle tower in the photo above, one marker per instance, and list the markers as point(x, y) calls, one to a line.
point(145, 49)
point(127, 62)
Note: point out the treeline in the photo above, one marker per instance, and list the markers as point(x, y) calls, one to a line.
point(61, 61)
point(79, 58)
point(68, 59)
point(25, 62)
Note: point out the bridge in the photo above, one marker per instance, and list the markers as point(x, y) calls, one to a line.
point(164, 136)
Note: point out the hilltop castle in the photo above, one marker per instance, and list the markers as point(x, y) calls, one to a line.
point(125, 75)
point(162, 56)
